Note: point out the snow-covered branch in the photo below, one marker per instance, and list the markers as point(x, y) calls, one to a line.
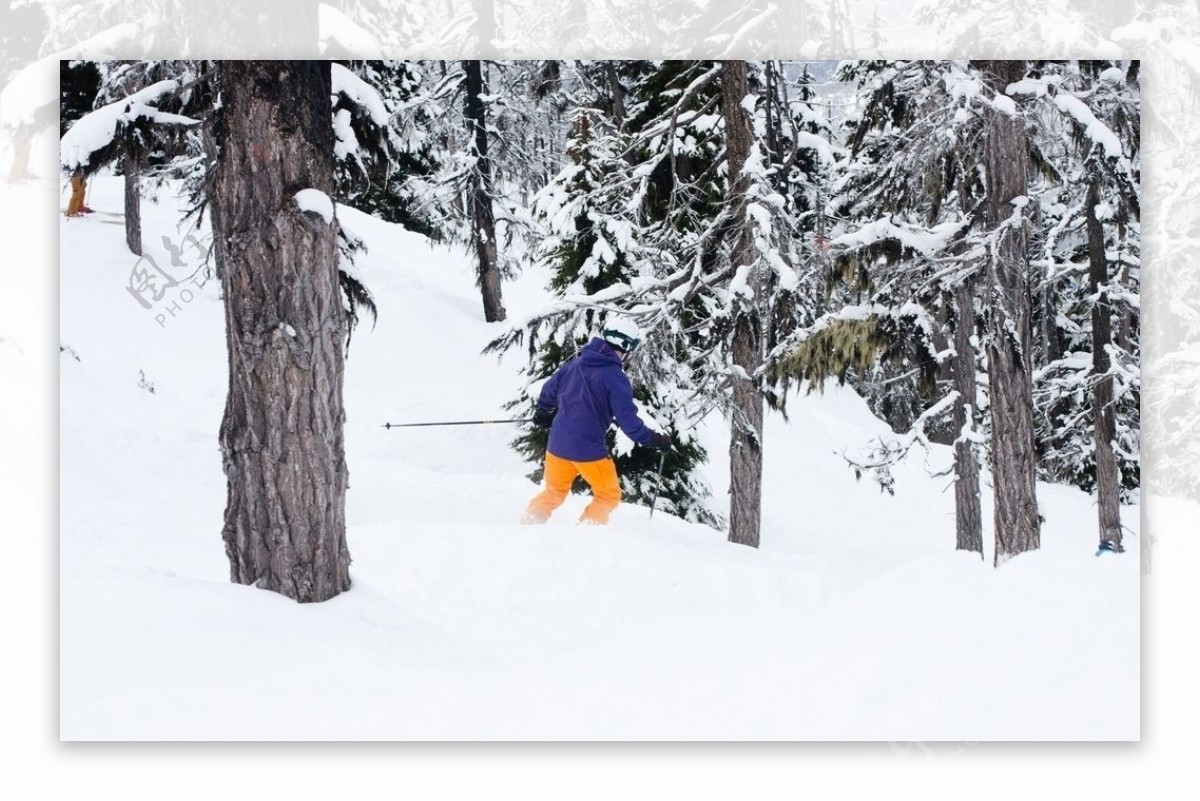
point(97, 131)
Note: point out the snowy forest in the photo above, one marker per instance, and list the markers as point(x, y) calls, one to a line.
point(890, 321)
point(958, 242)
point(918, 502)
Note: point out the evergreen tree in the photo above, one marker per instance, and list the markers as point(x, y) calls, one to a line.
point(140, 102)
point(1090, 121)
point(383, 141)
point(479, 191)
point(491, 147)
point(746, 346)
point(712, 266)
point(281, 435)
point(283, 530)
point(1006, 165)
point(915, 281)
point(591, 243)
point(78, 89)
point(902, 321)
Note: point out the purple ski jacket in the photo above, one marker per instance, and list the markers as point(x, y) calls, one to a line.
point(590, 391)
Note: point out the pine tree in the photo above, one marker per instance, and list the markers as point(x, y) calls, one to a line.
point(713, 267)
point(490, 156)
point(281, 436)
point(746, 444)
point(902, 296)
point(383, 142)
point(141, 102)
point(291, 301)
point(590, 240)
point(479, 192)
point(1010, 387)
point(1090, 121)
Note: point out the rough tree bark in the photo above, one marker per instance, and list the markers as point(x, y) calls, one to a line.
point(967, 509)
point(745, 445)
point(617, 92)
point(483, 222)
point(1108, 479)
point(281, 436)
point(133, 197)
point(1006, 163)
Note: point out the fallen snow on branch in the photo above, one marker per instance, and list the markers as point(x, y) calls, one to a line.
point(96, 130)
point(315, 201)
point(926, 241)
point(347, 83)
point(1096, 130)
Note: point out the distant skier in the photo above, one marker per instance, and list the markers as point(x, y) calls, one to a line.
point(578, 403)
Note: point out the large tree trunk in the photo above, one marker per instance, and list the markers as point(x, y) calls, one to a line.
point(133, 197)
point(1006, 162)
point(1108, 479)
point(967, 509)
point(483, 223)
point(281, 436)
point(745, 446)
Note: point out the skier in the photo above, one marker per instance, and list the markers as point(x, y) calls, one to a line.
point(578, 403)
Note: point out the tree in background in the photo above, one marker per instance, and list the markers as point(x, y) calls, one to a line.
point(1087, 387)
point(383, 141)
point(920, 252)
point(591, 244)
point(707, 238)
point(1005, 161)
point(479, 192)
point(492, 149)
point(746, 346)
point(136, 126)
point(903, 315)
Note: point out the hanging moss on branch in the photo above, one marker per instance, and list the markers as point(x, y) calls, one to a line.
point(845, 347)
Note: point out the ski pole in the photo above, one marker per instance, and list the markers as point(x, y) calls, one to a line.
point(658, 483)
point(458, 423)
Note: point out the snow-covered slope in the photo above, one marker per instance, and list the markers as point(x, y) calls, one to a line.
point(855, 620)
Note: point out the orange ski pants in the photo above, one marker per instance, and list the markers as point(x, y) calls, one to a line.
point(601, 476)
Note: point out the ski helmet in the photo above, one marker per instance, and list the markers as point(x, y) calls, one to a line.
point(623, 333)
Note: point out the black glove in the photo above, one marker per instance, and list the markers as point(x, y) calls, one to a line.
point(661, 441)
point(543, 417)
